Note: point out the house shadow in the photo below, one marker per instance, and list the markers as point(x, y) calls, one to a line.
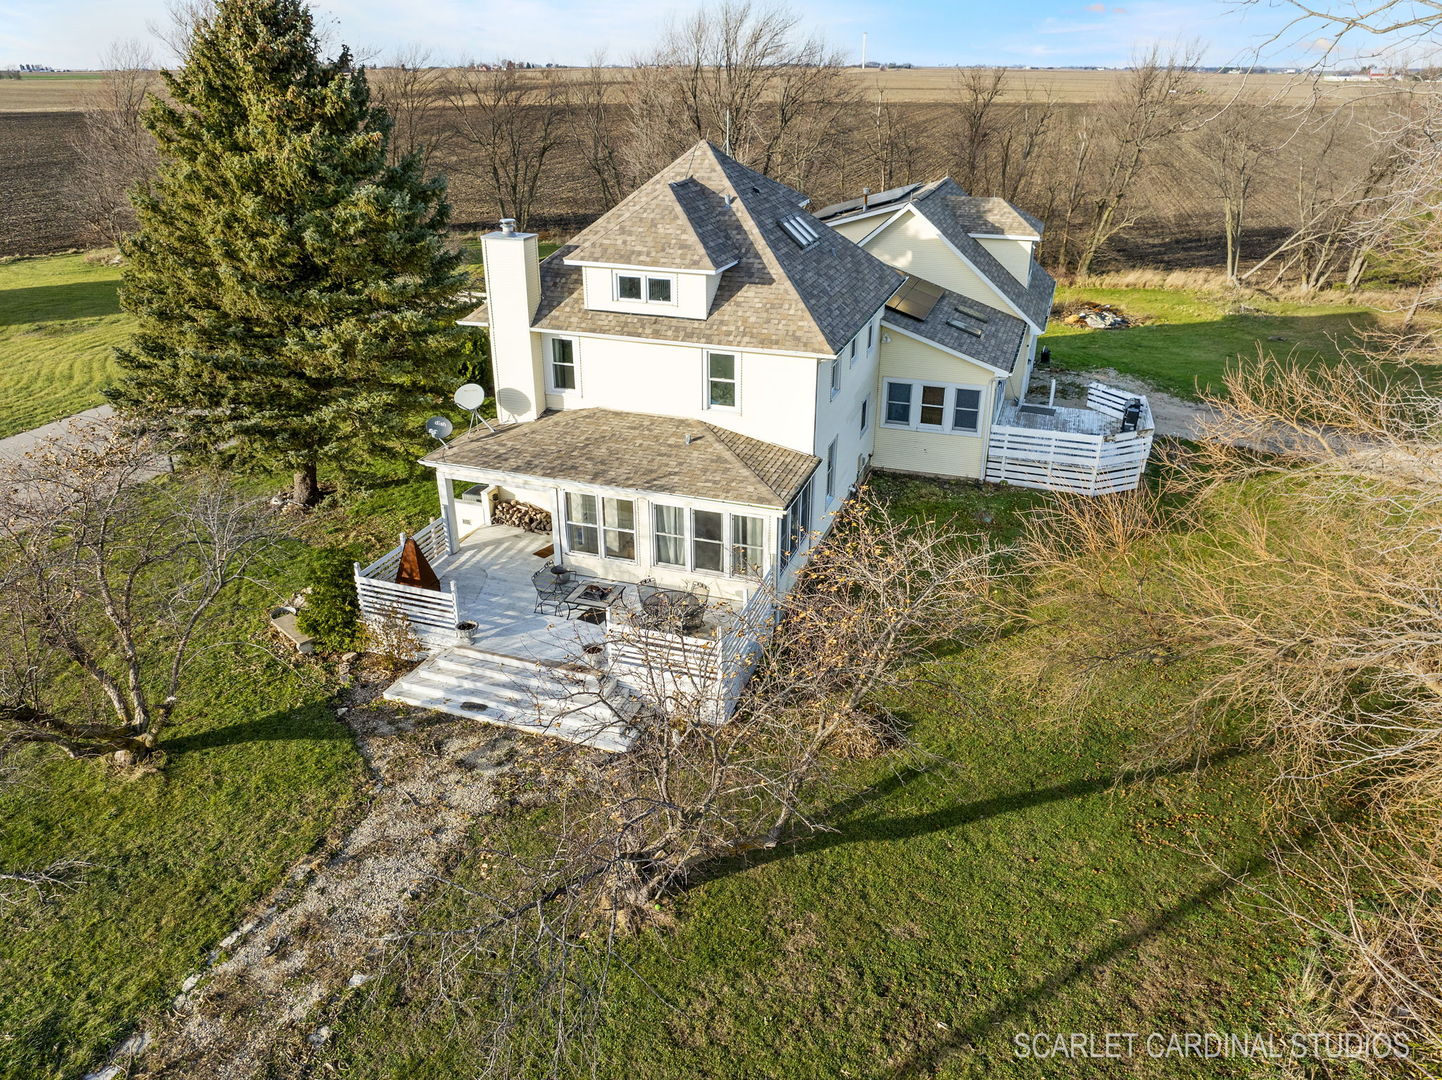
point(843, 822)
point(306, 723)
point(50, 303)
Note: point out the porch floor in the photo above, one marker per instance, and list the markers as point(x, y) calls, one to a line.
point(492, 571)
point(1058, 418)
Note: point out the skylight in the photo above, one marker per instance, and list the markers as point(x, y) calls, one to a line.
point(801, 229)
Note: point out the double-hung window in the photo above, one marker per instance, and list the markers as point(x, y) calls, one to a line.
point(831, 471)
point(870, 335)
point(835, 376)
point(933, 406)
point(898, 403)
point(966, 409)
point(618, 521)
point(721, 380)
point(708, 549)
point(865, 414)
point(563, 364)
point(669, 531)
point(596, 526)
point(851, 351)
point(747, 537)
point(582, 525)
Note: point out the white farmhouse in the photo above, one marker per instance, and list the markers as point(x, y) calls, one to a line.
point(686, 392)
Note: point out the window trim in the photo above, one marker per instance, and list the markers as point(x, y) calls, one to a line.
point(551, 387)
point(599, 528)
point(851, 353)
point(865, 414)
point(645, 277)
point(688, 540)
point(948, 407)
point(735, 380)
point(835, 377)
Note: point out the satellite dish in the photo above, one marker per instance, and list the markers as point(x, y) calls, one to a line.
point(438, 427)
point(471, 396)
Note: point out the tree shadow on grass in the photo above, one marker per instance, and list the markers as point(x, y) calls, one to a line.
point(842, 826)
point(46, 303)
point(306, 723)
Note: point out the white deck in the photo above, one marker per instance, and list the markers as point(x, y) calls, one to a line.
point(1058, 418)
point(492, 572)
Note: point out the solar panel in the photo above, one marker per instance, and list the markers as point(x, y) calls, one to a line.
point(800, 229)
point(915, 298)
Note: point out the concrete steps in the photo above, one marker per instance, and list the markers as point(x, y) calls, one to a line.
point(560, 701)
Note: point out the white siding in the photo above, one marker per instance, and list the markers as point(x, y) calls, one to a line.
point(935, 453)
point(692, 293)
point(776, 394)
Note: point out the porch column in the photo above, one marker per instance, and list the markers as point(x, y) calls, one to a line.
point(445, 489)
point(558, 523)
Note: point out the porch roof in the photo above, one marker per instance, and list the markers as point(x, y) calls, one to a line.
point(666, 455)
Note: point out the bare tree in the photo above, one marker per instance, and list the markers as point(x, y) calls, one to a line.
point(742, 77)
point(1024, 152)
point(510, 121)
point(1234, 148)
point(110, 580)
point(1149, 107)
point(115, 151)
point(893, 145)
point(409, 88)
point(593, 129)
point(878, 597)
point(977, 123)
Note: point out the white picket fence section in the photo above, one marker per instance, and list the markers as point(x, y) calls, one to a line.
point(433, 614)
point(1087, 464)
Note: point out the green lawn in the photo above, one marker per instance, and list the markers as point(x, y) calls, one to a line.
point(257, 772)
point(1025, 882)
point(60, 318)
point(1190, 337)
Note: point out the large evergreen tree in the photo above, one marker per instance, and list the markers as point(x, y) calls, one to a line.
point(292, 288)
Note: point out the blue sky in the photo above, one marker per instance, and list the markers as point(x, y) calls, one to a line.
point(74, 33)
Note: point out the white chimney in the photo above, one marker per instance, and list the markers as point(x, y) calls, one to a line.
point(513, 292)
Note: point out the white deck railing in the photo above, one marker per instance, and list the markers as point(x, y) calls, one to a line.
point(1075, 461)
point(433, 614)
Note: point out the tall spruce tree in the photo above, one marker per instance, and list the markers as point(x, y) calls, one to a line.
point(292, 288)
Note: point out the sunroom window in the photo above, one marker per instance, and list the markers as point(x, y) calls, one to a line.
point(619, 521)
point(669, 524)
point(707, 540)
point(582, 526)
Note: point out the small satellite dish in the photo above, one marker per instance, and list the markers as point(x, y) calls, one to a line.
point(438, 427)
point(471, 396)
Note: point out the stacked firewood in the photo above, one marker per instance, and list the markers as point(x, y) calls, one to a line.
point(522, 516)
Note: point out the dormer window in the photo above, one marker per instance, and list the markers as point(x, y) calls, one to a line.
point(645, 288)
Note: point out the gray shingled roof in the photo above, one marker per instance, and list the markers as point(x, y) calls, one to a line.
point(669, 226)
point(1000, 332)
point(778, 296)
point(950, 209)
point(638, 452)
point(990, 216)
point(958, 216)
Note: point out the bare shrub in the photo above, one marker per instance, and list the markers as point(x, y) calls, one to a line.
point(1296, 563)
point(391, 642)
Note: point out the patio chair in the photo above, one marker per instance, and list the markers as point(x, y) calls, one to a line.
point(551, 590)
